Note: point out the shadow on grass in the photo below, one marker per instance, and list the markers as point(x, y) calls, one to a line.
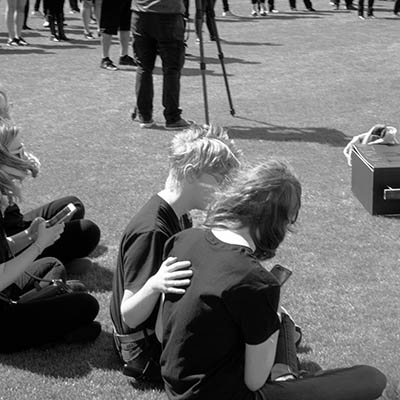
point(67, 361)
point(281, 133)
point(146, 386)
point(98, 279)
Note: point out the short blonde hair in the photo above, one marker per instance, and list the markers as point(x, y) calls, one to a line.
point(204, 150)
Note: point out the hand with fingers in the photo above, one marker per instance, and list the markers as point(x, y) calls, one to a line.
point(172, 277)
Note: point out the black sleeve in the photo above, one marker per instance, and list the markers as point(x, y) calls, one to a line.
point(142, 259)
point(254, 305)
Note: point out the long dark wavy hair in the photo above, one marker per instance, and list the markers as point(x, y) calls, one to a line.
point(266, 199)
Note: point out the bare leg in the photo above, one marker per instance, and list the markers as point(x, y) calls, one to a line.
point(106, 44)
point(124, 42)
point(86, 10)
point(10, 11)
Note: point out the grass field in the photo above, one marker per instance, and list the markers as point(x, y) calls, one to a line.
point(302, 84)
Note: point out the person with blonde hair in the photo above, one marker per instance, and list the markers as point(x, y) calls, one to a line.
point(80, 236)
point(68, 317)
point(201, 160)
point(220, 337)
point(15, 14)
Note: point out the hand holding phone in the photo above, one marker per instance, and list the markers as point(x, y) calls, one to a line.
point(62, 215)
point(282, 274)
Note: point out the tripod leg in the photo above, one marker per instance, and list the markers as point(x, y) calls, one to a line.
point(221, 59)
point(199, 27)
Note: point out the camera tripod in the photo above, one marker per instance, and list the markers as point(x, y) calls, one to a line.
point(203, 7)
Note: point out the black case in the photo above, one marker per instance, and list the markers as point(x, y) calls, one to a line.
point(375, 178)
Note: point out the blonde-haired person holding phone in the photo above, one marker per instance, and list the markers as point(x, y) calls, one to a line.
point(68, 317)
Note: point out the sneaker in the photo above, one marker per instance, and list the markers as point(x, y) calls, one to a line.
point(22, 41)
point(371, 16)
point(228, 14)
point(274, 11)
point(254, 13)
point(180, 124)
point(54, 38)
point(361, 17)
point(106, 63)
point(293, 9)
point(93, 21)
point(13, 42)
point(76, 286)
point(311, 9)
point(85, 333)
point(127, 60)
point(89, 36)
point(36, 13)
point(46, 24)
point(263, 13)
point(147, 124)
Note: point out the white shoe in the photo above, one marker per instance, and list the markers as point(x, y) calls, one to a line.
point(274, 11)
point(46, 24)
point(254, 13)
point(228, 14)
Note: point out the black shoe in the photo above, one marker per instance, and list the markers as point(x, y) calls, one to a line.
point(13, 42)
point(27, 28)
point(22, 41)
point(63, 37)
point(127, 60)
point(311, 9)
point(106, 63)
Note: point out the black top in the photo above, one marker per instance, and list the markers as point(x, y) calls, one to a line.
point(141, 254)
point(231, 300)
point(5, 252)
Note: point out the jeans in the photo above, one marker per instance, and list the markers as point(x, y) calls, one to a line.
point(360, 382)
point(162, 33)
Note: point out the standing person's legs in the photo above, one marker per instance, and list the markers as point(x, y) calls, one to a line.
point(361, 8)
point(356, 383)
point(170, 36)
point(145, 52)
point(86, 13)
point(225, 5)
point(210, 15)
point(396, 7)
point(124, 37)
point(26, 15)
point(370, 11)
point(20, 17)
point(11, 9)
point(308, 4)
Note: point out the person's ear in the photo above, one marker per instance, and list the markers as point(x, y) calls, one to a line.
point(189, 173)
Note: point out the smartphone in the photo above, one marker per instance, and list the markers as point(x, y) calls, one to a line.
point(61, 216)
point(282, 274)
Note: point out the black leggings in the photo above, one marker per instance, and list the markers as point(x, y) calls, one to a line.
point(80, 236)
point(44, 321)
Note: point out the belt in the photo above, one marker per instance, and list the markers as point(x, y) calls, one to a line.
point(134, 336)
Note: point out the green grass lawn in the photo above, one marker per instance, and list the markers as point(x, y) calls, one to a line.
point(301, 84)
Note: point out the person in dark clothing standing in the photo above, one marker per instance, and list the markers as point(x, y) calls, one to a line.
point(201, 159)
point(370, 9)
point(158, 28)
point(55, 17)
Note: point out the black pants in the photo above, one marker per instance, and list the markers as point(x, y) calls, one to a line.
point(370, 9)
point(396, 6)
point(54, 7)
point(80, 236)
point(44, 321)
point(209, 12)
point(161, 34)
point(307, 4)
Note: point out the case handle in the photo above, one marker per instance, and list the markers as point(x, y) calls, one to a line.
point(391, 193)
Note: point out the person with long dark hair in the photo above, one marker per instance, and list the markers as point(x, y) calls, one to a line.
point(220, 337)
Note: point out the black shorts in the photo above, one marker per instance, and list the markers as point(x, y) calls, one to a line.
point(115, 16)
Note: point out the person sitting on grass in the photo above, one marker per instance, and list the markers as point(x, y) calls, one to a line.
point(220, 337)
point(80, 237)
point(201, 159)
point(68, 317)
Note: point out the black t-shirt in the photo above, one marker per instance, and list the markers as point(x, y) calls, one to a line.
point(141, 254)
point(232, 300)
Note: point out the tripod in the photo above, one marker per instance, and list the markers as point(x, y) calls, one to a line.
point(202, 7)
